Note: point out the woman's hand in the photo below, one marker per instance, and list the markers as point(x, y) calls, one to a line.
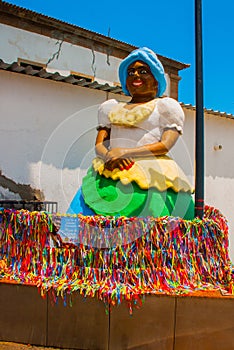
point(117, 158)
point(115, 153)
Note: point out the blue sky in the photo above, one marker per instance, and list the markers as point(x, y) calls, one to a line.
point(167, 27)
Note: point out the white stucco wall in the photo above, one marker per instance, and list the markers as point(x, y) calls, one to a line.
point(46, 130)
point(219, 168)
point(219, 183)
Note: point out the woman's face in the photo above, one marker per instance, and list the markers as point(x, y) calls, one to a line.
point(140, 81)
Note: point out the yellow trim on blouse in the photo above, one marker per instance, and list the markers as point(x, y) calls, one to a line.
point(119, 115)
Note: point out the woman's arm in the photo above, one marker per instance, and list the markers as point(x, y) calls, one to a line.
point(122, 157)
point(102, 142)
point(169, 138)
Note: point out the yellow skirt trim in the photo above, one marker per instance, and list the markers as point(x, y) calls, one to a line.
point(161, 172)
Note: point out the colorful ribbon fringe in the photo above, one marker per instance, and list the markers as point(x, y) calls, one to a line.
point(166, 255)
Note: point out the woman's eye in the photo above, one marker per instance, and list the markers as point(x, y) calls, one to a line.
point(130, 73)
point(143, 71)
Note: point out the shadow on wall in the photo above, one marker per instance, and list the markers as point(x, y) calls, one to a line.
point(26, 192)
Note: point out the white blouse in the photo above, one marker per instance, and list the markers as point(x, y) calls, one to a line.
point(167, 114)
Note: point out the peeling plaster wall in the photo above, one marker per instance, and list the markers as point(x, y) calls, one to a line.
point(17, 43)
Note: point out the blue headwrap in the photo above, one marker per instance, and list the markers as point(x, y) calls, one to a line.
point(150, 58)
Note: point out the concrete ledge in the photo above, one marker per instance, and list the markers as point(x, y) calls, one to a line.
point(23, 315)
point(84, 325)
point(162, 323)
point(150, 327)
point(204, 323)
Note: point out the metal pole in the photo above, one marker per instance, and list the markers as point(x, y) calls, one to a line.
point(199, 160)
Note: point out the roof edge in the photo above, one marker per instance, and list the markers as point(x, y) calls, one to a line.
point(14, 15)
point(208, 111)
point(14, 67)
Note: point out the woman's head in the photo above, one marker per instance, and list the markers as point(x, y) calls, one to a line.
point(140, 82)
point(148, 58)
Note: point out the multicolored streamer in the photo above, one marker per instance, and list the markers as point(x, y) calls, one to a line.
point(118, 258)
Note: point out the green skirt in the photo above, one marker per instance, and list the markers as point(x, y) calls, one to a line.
point(108, 197)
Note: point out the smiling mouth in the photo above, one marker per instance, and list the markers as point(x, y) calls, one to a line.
point(137, 83)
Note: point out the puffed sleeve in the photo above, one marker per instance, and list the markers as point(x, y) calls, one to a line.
point(103, 112)
point(171, 114)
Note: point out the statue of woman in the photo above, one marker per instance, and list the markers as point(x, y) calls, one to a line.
point(132, 174)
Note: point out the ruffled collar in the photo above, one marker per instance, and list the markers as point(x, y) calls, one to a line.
point(119, 115)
